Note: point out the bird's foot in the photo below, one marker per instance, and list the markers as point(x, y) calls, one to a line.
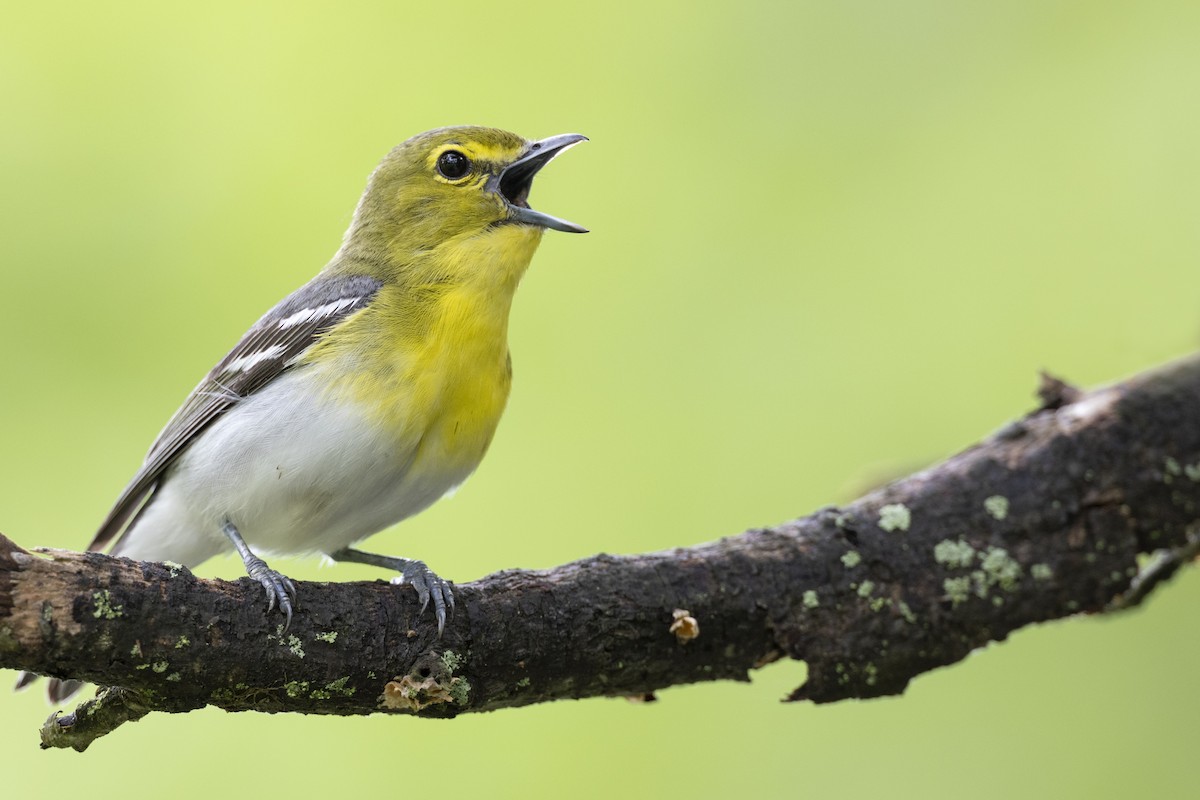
point(428, 585)
point(278, 586)
point(413, 572)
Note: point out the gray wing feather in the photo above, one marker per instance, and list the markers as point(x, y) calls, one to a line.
point(266, 350)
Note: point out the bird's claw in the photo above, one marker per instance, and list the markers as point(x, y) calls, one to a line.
point(278, 586)
point(428, 586)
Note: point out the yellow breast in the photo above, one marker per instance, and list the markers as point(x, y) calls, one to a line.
point(461, 378)
point(428, 359)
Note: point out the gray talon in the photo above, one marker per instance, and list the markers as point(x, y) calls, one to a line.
point(427, 583)
point(424, 581)
point(279, 588)
point(277, 585)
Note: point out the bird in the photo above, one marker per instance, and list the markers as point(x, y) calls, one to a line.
point(365, 395)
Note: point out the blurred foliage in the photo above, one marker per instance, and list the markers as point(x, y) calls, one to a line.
point(831, 241)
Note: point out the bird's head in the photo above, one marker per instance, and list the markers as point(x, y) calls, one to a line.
point(449, 185)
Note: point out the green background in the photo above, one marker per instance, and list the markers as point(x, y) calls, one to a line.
point(832, 242)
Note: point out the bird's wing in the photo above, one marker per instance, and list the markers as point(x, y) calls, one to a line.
point(269, 348)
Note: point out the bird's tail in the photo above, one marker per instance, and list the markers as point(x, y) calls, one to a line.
point(57, 689)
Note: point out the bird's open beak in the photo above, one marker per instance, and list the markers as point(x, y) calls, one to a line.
point(514, 182)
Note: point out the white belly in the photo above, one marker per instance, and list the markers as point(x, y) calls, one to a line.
point(294, 473)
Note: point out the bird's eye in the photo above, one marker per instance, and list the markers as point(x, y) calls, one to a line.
point(453, 164)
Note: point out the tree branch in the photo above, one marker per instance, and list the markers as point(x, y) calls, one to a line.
point(1045, 519)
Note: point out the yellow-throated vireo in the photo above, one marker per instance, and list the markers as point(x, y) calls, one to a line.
point(365, 395)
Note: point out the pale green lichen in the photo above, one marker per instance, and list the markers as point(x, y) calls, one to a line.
point(1041, 572)
point(296, 646)
point(136, 650)
point(997, 601)
point(524, 682)
point(329, 637)
point(810, 599)
point(237, 694)
point(333, 688)
point(906, 612)
point(174, 677)
point(160, 666)
point(957, 589)
point(173, 569)
point(866, 588)
point(1001, 568)
point(879, 603)
point(452, 660)
point(182, 642)
point(997, 506)
point(953, 554)
point(460, 690)
point(295, 688)
point(851, 559)
point(105, 607)
point(1192, 471)
point(1172, 466)
point(895, 517)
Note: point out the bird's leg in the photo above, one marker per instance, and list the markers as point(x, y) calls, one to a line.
point(413, 572)
point(279, 587)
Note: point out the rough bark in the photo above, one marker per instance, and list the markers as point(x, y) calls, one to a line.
point(1045, 519)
